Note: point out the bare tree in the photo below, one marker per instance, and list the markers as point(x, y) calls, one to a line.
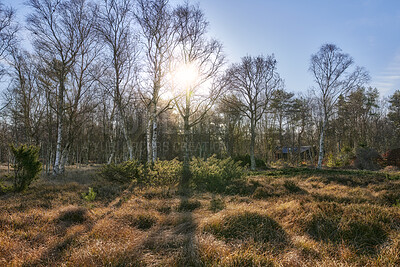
point(253, 81)
point(158, 37)
point(115, 29)
point(331, 70)
point(24, 97)
point(200, 61)
point(59, 29)
point(8, 31)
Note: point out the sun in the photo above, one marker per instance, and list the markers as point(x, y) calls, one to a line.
point(186, 75)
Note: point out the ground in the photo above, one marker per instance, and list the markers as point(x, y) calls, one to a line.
point(287, 217)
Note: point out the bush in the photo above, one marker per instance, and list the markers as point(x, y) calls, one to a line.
point(367, 159)
point(90, 195)
point(163, 173)
point(245, 161)
point(27, 166)
point(131, 170)
point(343, 159)
point(393, 157)
point(215, 174)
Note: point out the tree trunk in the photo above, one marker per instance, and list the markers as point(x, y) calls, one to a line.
point(186, 175)
point(186, 152)
point(60, 113)
point(252, 144)
point(126, 134)
point(154, 139)
point(321, 145)
point(149, 141)
point(64, 158)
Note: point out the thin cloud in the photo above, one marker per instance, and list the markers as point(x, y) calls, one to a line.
point(389, 79)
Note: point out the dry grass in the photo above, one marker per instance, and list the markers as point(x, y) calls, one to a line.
point(278, 218)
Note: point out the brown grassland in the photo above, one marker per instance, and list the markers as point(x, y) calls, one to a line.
point(287, 217)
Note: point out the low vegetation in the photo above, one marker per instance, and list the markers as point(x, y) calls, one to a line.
point(281, 217)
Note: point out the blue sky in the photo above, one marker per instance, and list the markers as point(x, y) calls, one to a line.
point(369, 30)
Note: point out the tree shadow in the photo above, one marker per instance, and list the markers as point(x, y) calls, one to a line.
point(363, 237)
point(67, 219)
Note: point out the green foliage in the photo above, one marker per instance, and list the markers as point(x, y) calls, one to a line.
point(127, 171)
point(163, 173)
point(215, 174)
point(90, 195)
point(27, 166)
point(343, 159)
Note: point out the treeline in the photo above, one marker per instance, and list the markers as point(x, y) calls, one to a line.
point(111, 80)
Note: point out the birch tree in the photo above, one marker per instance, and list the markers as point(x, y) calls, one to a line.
point(199, 62)
point(253, 81)
point(332, 71)
point(158, 36)
point(115, 30)
point(59, 29)
point(8, 32)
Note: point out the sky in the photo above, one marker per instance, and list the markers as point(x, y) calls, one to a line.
point(292, 30)
point(368, 30)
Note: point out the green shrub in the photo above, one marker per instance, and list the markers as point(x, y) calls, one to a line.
point(163, 173)
point(27, 166)
point(90, 195)
point(343, 159)
point(127, 171)
point(215, 174)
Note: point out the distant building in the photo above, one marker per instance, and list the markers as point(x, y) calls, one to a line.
point(284, 152)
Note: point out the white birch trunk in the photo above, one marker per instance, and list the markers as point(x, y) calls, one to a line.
point(321, 145)
point(149, 141)
point(154, 139)
point(56, 169)
point(252, 144)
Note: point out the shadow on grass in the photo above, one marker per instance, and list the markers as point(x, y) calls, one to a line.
point(72, 216)
point(362, 235)
point(353, 178)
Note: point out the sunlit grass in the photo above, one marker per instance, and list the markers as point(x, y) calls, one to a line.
point(284, 217)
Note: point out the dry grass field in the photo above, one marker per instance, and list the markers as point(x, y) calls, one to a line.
point(288, 217)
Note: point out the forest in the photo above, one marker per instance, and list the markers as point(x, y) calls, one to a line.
point(110, 81)
point(127, 138)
